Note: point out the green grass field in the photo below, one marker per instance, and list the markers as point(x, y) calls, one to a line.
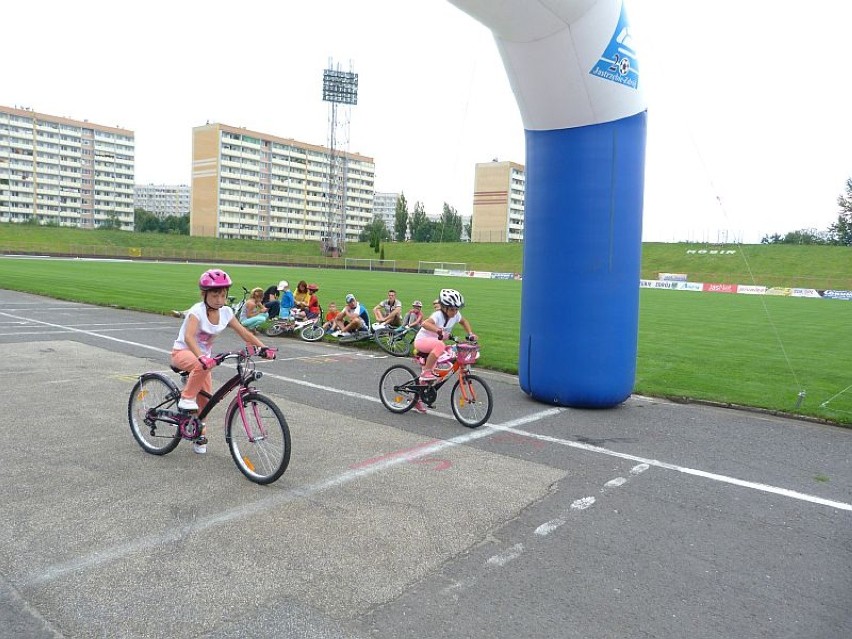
point(758, 351)
point(767, 265)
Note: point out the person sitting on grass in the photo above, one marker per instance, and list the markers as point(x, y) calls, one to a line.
point(253, 313)
point(313, 309)
point(353, 317)
point(330, 316)
point(413, 318)
point(388, 312)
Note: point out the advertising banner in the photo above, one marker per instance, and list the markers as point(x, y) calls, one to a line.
point(672, 277)
point(747, 289)
point(837, 295)
point(804, 292)
point(720, 288)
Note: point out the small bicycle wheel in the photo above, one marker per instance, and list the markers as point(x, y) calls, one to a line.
point(397, 388)
point(312, 333)
point(260, 443)
point(153, 391)
point(274, 330)
point(393, 343)
point(471, 401)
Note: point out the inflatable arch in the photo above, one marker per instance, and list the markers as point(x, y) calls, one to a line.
point(573, 69)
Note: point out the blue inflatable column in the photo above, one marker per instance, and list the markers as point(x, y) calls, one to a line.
point(574, 72)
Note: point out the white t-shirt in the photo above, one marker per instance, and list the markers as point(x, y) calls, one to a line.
point(438, 318)
point(207, 331)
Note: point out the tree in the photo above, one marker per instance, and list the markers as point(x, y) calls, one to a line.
point(375, 233)
point(841, 231)
point(449, 227)
point(400, 222)
point(419, 227)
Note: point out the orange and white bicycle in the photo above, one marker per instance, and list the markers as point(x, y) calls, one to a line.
point(471, 400)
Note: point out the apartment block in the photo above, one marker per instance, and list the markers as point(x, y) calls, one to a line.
point(498, 202)
point(61, 171)
point(252, 185)
point(384, 208)
point(162, 200)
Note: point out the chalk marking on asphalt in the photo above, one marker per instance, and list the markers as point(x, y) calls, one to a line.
point(506, 556)
point(549, 526)
point(117, 552)
point(614, 483)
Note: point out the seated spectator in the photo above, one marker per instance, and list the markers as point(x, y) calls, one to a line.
point(330, 316)
point(253, 313)
point(287, 302)
point(414, 317)
point(271, 302)
point(352, 318)
point(388, 312)
point(313, 309)
point(300, 299)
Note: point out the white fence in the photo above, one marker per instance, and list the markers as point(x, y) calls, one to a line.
point(362, 264)
point(431, 267)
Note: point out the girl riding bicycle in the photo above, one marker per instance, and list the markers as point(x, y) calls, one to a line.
point(192, 350)
point(430, 337)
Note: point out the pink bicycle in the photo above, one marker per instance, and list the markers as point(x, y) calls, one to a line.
point(471, 400)
point(255, 429)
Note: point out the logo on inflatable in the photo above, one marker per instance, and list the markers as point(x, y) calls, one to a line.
point(618, 61)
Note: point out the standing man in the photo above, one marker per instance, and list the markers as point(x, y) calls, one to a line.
point(388, 312)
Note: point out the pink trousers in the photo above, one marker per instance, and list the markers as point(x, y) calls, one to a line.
point(198, 380)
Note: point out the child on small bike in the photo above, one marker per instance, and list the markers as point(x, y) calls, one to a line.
point(430, 337)
point(193, 348)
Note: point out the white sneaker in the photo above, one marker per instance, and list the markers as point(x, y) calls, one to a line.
point(337, 333)
point(378, 325)
point(200, 445)
point(187, 404)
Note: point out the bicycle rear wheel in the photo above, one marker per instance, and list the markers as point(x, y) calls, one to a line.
point(397, 388)
point(274, 330)
point(396, 344)
point(151, 392)
point(312, 333)
point(260, 443)
point(471, 401)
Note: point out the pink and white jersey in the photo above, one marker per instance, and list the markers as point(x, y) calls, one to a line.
point(207, 331)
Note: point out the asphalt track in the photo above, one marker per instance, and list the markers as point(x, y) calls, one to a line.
point(651, 519)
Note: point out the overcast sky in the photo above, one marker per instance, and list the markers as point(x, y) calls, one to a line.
point(749, 130)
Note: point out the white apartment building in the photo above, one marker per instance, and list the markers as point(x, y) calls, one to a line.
point(162, 200)
point(498, 202)
point(252, 185)
point(384, 208)
point(62, 171)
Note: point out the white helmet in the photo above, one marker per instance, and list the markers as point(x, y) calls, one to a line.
point(451, 297)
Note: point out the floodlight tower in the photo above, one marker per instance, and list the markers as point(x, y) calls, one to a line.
point(339, 89)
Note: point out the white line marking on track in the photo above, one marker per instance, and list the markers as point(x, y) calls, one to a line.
point(506, 556)
point(784, 492)
point(582, 504)
point(549, 526)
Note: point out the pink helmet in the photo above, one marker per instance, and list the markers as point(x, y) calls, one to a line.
point(214, 278)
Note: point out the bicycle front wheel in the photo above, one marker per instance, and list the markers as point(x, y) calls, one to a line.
point(153, 392)
point(397, 388)
point(312, 333)
point(471, 401)
point(393, 343)
point(259, 438)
